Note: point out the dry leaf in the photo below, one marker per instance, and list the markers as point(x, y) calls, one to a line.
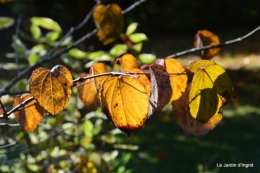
point(29, 116)
point(51, 88)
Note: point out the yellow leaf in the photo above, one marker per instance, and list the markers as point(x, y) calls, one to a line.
point(206, 38)
point(99, 68)
point(87, 92)
point(125, 101)
point(181, 111)
point(210, 90)
point(51, 88)
point(178, 78)
point(199, 64)
point(29, 116)
point(109, 21)
point(129, 62)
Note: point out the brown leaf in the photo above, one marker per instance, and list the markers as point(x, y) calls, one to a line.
point(161, 90)
point(29, 116)
point(109, 21)
point(206, 38)
point(51, 88)
point(183, 117)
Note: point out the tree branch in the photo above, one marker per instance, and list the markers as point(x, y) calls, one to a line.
point(194, 50)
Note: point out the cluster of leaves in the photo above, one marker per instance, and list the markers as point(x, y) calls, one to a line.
point(129, 95)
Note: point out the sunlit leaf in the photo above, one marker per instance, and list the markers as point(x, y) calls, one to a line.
point(131, 28)
point(210, 90)
point(99, 68)
point(88, 128)
point(46, 23)
point(51, 88)
point(29, 116)
point(183, 117)
point(87, 92)
point(206, 38)
point(125, 102)
point(147, 58)
point(6, 22)
point(178, 78)
point(100, 55)
point(109, 21)
point(138, 37)
point(161, 90)
point(33, 58)
point(118, 50)
point(128, 62)
point(199, 64)
point(51, 37)
point(76, 53)
point(36, 32)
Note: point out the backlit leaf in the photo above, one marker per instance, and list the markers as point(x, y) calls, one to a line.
point(147, 58)
point(51, 88)
point(76, 53)
point(125, 102)
point(5, 22)
point(206, 38)
point(161, 90)
point(178, 78)
point(131, 28)
point(128, 62)
point(109, 21)
point(118, 50)
point(210, 90)
point(29, 116)
point(183, 117)
point(99, 68)
point(46, 23)
point(138, 37)
point(36, 32)
point(87, 92)
point(199, 64)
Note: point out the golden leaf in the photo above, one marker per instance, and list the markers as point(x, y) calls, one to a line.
point(206, 38)
point(183, 117)
point(199, 64)
point(210, 90)
point(87, 92)
point(178, 78)
point(129, 62)
point(99, 68)
point(125, 101)
point(29, 116)
point(51, 88)
point(109, 21)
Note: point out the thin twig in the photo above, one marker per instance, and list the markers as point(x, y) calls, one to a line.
point(9, 125)
point(7, 145)
point(14, 92)
point(194, 50)
point(15, 44)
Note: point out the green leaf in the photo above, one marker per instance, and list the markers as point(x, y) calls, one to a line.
point(33, 58)
point(98, 126)
point(118, 50)
point(36, 32)
point(138, 47)
point(138, 37)
point(76, 53)
point(131, 28)
point(46, 23)
point(54, 151)
point(147, 58)
point(6, 22)
point(52, 36)
point(88, 128)
point(99, 55)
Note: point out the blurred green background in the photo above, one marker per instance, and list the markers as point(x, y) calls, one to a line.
point(171, 26)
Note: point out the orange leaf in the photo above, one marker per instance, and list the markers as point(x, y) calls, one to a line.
point(125, 101)
point(51, 88)
point(183, 117)
point(109, 21)
point(206, 38)
point(178, 78)
point(161, 90)
point(87, 92)
point(99, 68)
point(29, 116)
point(129, 62)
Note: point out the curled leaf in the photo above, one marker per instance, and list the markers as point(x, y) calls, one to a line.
point(109, 21)
point(51, 88)
point(206, 38)
point(181, 111)
point(29, 116)
point(125, 102)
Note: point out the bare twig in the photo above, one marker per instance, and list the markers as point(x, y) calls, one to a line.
point(7, 145)
point(9, 125)
point(194, 50)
